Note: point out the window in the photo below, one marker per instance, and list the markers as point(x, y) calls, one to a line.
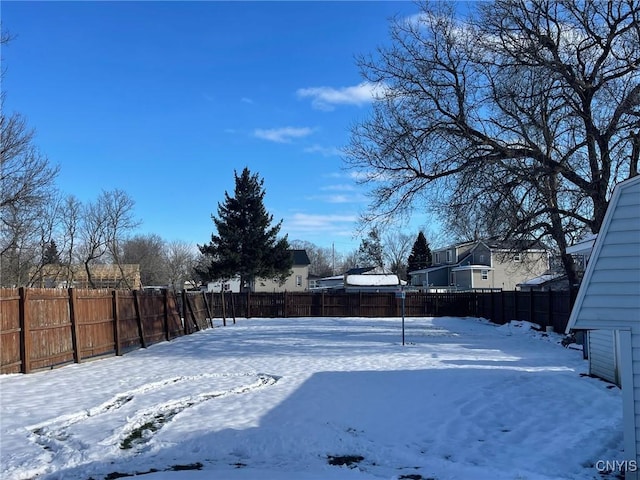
point(448, 256)
point(516, 257)
point(482, 258)
point(299, 280)
point(437, 258)
point(484, 274)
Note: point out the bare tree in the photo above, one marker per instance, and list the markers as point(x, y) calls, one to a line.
point(118, 207)
point(27, 196)
point(180, 260)
point(148, 251)
point(396, 247)
point(322, 258)
point(93, 235)
point(106, 222)
point(521, 118)
point(70, 220)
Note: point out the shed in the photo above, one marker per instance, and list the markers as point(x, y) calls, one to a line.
point(372, 282)
point(609, 299)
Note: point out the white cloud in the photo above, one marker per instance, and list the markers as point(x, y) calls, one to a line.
point(282, 135)
point(313, 223)
point(337, 198)
point(342, 187)
point(324, 151)
point(326, 98)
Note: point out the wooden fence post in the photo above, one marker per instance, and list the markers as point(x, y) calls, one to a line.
point(233, 308)
point(285, 313)
point(532, 306)
point(550, 310)
point(248, 304)
point(25, 333)
point(206, 305)
point(224, 309)
point(116, 323)
point(493, 306)
point(196, 325)
point(165, 316)
point(136, 302)
point(75, 330)
point(186, 325)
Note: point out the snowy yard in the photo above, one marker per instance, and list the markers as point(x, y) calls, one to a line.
point(304, 398)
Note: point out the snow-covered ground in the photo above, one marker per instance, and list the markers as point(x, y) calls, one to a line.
point(287, 398)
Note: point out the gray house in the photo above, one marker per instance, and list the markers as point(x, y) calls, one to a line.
point(609, 300)
point(482, 264)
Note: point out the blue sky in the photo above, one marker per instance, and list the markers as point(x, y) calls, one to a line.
point(165, 99)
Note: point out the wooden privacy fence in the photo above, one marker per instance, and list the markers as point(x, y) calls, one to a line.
point(548, 309)
point(42, 328)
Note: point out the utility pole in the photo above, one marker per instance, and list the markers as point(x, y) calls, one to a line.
point(333, 258)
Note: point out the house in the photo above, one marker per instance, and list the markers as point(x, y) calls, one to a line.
point(482, 264)
point(609, 300)
point(298, 280)
point(230, 285)
point(125, 276)
point(581, 251)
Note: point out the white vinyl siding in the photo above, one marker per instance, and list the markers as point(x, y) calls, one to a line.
point(609, 298)
point(632, 401)
point(610, 294)
point(602, 352)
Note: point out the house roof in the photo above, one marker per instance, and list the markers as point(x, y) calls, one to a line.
point(358, 270)
point(584, 246)
point(300, 257)
point(372, 280)
point(498, 244)
point(471, 267)
point(609, 295)
point(514, 245)
point(431, 269)
point(543, 279)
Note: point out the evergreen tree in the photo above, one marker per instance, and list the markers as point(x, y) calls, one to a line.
point(420, 256)
point(246, 244)
point(51, 256)
point(370, 253)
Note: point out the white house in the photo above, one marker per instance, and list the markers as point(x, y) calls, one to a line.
point(230, 285)
point(297, 281)
point(609, 299)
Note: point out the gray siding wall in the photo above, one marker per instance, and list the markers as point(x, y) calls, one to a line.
point(439, 278)
point(463, 279)
point(602, 355)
